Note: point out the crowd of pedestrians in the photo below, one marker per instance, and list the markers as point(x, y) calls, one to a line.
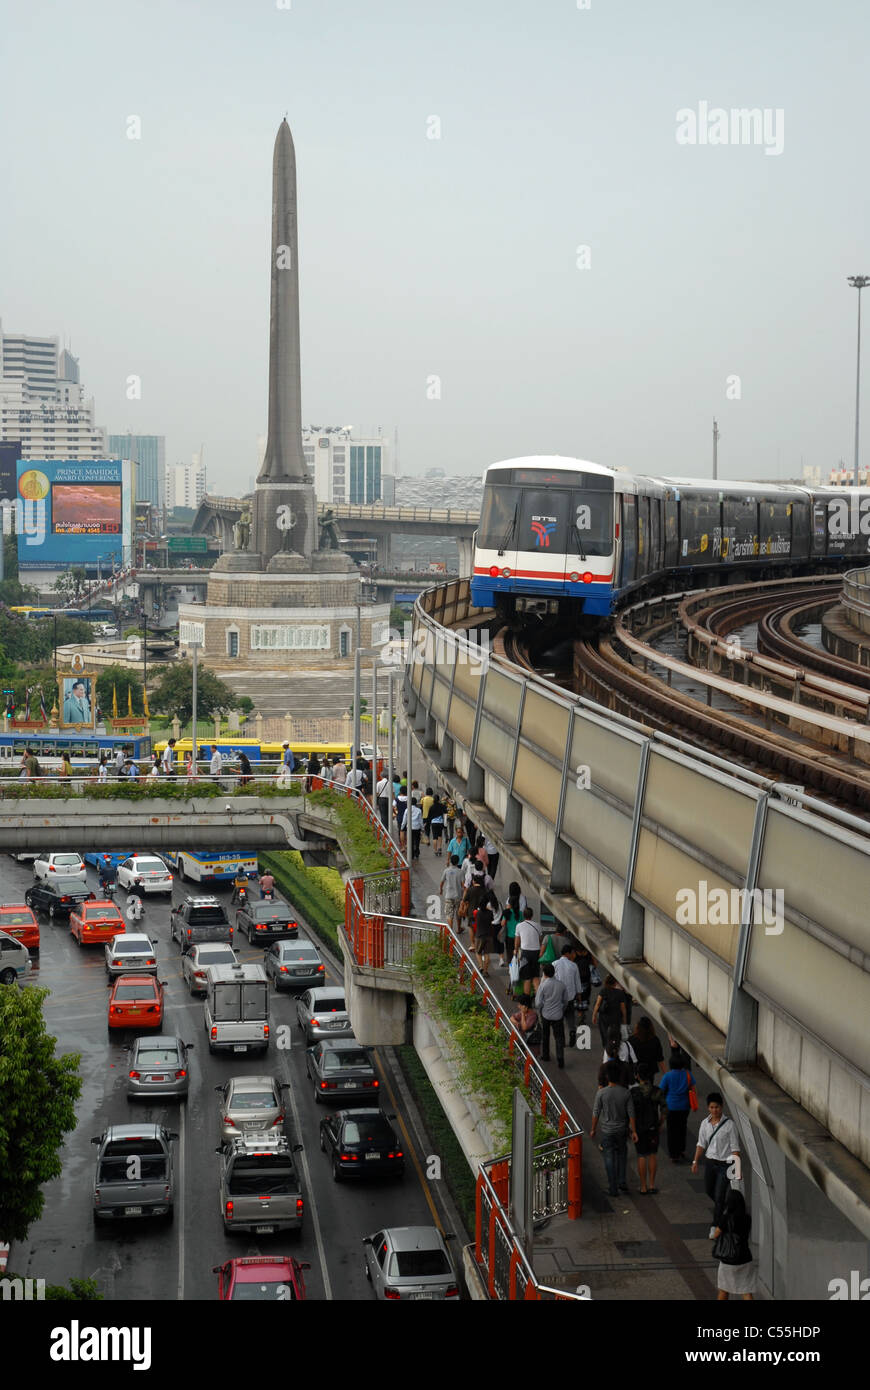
point(646, 1090)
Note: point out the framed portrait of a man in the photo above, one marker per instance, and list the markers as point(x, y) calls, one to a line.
point(77, 699)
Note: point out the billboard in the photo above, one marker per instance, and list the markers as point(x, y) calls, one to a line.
point(84, 513)
point(10, 451)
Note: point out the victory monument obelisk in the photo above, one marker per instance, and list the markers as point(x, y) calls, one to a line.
point(283, 597)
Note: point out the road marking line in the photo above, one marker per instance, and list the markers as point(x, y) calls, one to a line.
point(179, 1225)
point(419, 1171)
point(297, 1124)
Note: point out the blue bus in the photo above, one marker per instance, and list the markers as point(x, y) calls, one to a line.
point(211, 865)
point(84, 749)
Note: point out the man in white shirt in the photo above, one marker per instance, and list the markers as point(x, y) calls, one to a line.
point(416, 814)
point(339, 773)
point(216, 762)
point(382, 793)
point(451, 889)
point(718, 1141)
point(567, 972)
point(528, 947)
point(167, 762)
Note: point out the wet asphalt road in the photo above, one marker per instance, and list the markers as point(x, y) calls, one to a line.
point(146, 1260)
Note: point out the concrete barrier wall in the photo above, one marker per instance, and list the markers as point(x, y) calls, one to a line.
point(662, 843)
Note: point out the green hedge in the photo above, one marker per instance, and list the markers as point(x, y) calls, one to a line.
point(300, 889)
point(361, 849)
point(162, 788)
point(454, 1165)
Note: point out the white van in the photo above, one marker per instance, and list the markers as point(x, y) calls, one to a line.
point(236, 1008)
point(15, 963)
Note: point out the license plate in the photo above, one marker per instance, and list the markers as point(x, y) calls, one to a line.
point(348, 1085)
point(429, 1296)
point(300, 970)
point(157, 1078)
point(240, 1047)
point(264, 1230)
point(133, 1013)
point(372, 1155)
point(132, 1211)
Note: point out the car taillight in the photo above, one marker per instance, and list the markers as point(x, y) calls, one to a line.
point(199, 974)
point(328, 1085)
point(371, 1083)
point(152, 1009)
point(65, 900)
point(134, 1075)
point(115, 1009)
point(451, 1291)
point(150, 961)
point(278, 1120)
point(265, 1030)
point(259, 927)
point(284, 970)
point(397, 1154)
point(299, 1206)
point(188, 931)
point(228, 1210)
point(180, 1075)
point(213, 1031)
point(321, 967)
point(392, 1293)
point(349, 1158)
point(52, 869)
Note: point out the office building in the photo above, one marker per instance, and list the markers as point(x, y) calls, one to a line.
point(185, 483)
point(148, 453)
point(347, 467)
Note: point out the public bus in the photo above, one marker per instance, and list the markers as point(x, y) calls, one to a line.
point(84, 749)
point(211, 865)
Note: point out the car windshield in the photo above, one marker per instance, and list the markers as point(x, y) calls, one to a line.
point(418, 1264)
point(266, 1175)
point(252, 1100)
point(374, 1131)
point(275, 1288)
point(337, 1061)
point(151, 1168)
point(326, 1006)
point(143, 991)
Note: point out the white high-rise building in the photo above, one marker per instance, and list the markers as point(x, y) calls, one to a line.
point(185, 483)
point(42, 402)
point(346, 466)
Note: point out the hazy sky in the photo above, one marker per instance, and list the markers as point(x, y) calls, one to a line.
point(453, 257)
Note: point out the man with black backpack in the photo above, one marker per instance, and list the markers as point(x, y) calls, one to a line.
point(649, 1113)
point(610, 1011)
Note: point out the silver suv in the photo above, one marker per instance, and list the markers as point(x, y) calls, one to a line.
point(260, 1189)
point(134, 1174)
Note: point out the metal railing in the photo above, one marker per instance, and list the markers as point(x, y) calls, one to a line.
point(500, 1256)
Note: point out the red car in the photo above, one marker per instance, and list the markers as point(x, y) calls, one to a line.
point(136, 1001)
point(261, 1278)
point(94, 923)
point(18, 920)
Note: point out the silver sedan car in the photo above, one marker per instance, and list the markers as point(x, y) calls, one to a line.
point(131, 953)
point(199, 958)
point(410, 1262)
point(158, 1067)
point(322, 1013)
point(250, 1105)
point(294, 964)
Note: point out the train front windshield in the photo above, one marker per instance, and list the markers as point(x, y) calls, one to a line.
point(566, 521)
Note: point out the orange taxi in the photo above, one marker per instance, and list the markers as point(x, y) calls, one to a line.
point(136, 1001)
point(19, 920)
point(94, 923)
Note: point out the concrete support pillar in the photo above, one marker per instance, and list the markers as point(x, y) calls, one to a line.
point(429, 740)
point(421, 715)
point(288, 727)
point(560, 870)
point(465, 548)
point(475, 783)
point(384, 556)
point(258, 727)
point(445, 761)
point(513, 821)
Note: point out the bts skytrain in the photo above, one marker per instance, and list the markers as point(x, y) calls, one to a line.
point(563, 534)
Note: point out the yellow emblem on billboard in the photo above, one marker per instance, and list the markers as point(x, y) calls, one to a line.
point(33, 485)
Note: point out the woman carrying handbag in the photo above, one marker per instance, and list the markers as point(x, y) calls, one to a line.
point(736, 1273)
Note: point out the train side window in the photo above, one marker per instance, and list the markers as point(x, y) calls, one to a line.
point(655, 534)
point(672, 533)
point(629, 537)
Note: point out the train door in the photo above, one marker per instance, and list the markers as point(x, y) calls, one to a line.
point(629, 539)
point(655, 535)
point(544, 531)
point(672, 531)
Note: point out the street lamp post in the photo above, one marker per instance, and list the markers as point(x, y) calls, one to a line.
point(858, 282)
point(195, 646)
point(359, 653)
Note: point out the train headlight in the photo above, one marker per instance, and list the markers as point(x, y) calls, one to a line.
point(493, 571)
point(587, 578)
point(574, 577)
point(505, 574)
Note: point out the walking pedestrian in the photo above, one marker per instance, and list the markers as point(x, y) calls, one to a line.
point(168, 759)
point(674, 1087)
point(245, 769)
point(649, 1114)
point(426, 808)
point(550, 1000)
point(189, 770)
point(583, 962)
point(615, 1047)
point(484, 944)
point(313, 780)
point(450, 818)
point(216, 762)
point(718, 1142)
point(450, 889)
point(120, 759)
point(459, 844)
point(736, 1274)
point(567, 972)
point(528, 947)
point(413, 821)
point(436, 825)
point(613, 1114)
point(609, 1012)
point(493, 853)
point(288, 763)
point(339, 773)
point(103, 769)
point(382, 796)
point(647, 1047)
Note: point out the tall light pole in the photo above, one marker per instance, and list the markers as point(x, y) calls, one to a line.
point(858, 282)
point(195, 646)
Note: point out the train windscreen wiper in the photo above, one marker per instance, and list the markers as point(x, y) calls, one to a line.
point(508, 533)
point(583, 555)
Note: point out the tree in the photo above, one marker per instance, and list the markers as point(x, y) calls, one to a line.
point(173, 693)
point(72, 582)
point(39, 1092)
point(12, 591)
point(122, 679)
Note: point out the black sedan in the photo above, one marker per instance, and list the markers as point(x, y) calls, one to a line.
point(266, 921)
point(58, 897)
point(341, 1069)
point(361, 1143)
